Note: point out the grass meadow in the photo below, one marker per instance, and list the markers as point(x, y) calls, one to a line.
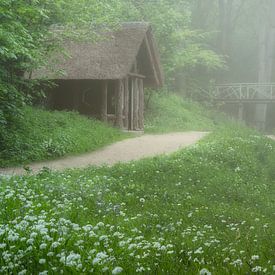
point(207, 209)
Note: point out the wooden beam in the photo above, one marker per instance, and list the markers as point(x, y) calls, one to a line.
point(152, 61)
point(241, 112)
point(119, 104)
point(126, 103)
point(141, 105)
point(136, 75)
point(136, 103)
point(131, 104)
point(104, 95)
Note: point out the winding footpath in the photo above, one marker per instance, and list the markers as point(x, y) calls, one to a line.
point(122, 151)
point(271, 136)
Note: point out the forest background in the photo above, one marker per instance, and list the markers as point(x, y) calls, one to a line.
point(202, 42)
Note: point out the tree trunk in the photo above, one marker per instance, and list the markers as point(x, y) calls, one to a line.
point(225, 26)
point(266, 55)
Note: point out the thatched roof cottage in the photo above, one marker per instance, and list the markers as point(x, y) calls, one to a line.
point(106, 79)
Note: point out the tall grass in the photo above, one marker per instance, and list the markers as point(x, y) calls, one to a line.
point(168, 112)
point(42, 134)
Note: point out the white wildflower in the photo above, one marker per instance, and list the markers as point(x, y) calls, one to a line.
point(198, 251)
point(99, 257)
point(55, 244)
point(42, 261)
point(256, 269)
point(255, 257)
point(117, 270)
point(42, 246)
point(237, 262)
point(73, 259)
point(205, 271)
point(100, 224)
point(140, 269)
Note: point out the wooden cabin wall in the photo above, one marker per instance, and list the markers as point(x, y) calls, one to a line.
point(134, 103)
point(83, 96)
point(118, 102)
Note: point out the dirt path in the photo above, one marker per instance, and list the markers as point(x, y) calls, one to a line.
point(271, 136)
point(123, 151)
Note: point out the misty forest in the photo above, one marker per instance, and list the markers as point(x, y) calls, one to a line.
point(137, 136)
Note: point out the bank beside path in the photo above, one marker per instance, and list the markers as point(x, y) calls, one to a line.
point(122, 151)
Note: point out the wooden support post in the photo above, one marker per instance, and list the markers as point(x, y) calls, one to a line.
point(103, 109)
point(141, 104)
point(260, 116)
point(126, 103)
point(240, 112)
point(119, 104)
point(135, 101)
point(132, 105)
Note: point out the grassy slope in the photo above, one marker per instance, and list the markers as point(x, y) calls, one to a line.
point(210, 206)
point(45, 135)
point(168, 112)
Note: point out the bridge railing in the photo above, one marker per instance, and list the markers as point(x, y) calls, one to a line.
point(245, 92)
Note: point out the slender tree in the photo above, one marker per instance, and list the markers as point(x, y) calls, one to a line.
point(266, 56)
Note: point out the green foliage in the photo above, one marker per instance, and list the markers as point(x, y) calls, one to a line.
point(10, 99)
point(40, 134)
point(182, 48)
point(210, 206)
point(167, 112)
point(26, 41)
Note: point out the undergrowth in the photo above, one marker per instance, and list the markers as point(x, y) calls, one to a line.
point(167, 112)
point(42, 134)
point(208, 209)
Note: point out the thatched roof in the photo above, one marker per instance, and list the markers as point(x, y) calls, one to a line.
point(110, 58)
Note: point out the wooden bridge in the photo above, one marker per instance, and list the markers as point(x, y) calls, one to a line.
point(244, 94)
point(263, 93)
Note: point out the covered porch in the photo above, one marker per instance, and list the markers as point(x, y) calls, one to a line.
point(122, 103)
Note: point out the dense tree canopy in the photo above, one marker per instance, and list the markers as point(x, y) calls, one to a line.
point(198, 40)
point(25, 38)
point(24, 41)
